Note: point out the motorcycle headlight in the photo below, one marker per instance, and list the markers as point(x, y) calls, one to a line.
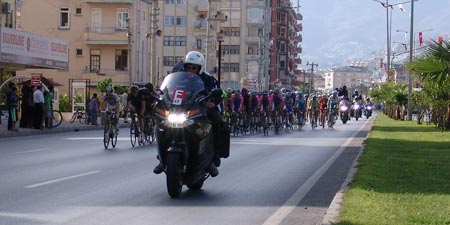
point(176, 118)
point(369, 107)
point(344, 108)
point(356, 106)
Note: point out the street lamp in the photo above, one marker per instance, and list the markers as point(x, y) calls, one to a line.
point(220, 40)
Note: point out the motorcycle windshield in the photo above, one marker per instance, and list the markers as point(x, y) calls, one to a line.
point(181, 88)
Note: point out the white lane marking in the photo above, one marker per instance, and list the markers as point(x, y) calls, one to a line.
point(29, 151)
point(61, 179)
point(295, 199)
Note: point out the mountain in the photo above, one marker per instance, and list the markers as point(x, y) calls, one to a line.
point(335, 32)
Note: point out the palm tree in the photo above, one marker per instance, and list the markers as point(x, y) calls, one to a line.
point(433, 69)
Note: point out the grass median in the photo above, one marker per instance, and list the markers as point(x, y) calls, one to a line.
point(403, 176)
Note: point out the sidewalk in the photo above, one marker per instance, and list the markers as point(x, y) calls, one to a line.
point(64, 127)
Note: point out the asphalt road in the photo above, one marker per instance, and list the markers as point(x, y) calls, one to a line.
point(68, 178)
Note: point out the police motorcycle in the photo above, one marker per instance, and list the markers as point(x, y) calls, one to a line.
point(368, 110)
point(344, 107)
point(356, 110)
point(185, 140)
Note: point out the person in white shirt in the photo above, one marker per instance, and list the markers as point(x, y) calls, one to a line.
point(38, 99)
point(123, 104)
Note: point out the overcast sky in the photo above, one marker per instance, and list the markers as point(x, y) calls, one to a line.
point(336, 31)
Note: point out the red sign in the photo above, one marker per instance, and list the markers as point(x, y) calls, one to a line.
point(35, 80)
point(178, 96)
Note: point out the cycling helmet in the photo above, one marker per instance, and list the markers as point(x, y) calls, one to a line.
point(265, 92)
point(149, 86)
point(229, 90)
point(244, 90)
point(356, 91)
point(109, 90)
point(283, 90)
point(195, 58)
point(276, 91)
point(335, 93)
point(237, 91)
point(133, 89)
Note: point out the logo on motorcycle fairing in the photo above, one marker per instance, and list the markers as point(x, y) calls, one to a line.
point(178, 96)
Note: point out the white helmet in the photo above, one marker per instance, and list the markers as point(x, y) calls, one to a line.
point(197, 58)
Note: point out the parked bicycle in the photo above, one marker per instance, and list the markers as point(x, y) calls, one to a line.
point(57, 118)
point(79, 115)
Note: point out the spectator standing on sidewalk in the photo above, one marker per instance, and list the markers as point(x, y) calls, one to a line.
point(12, 101)
point(123, 104)
point(26, 118)
point(48, 107)
point(38, 99)
point(93, 109)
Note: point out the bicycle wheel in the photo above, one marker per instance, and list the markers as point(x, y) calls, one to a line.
point(133, 133)
point(74, 117)
point(106, 135)
point(114, 136)
point(151, 135)
point(57, 118)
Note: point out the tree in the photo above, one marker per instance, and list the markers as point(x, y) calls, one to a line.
point(433, 70)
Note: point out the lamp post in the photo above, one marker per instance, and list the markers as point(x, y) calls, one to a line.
point(388, 27)
point(220, 40)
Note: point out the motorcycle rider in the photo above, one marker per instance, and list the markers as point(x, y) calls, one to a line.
point(343, 92)
point(195, 63)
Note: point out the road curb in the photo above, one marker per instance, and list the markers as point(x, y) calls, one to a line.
point(333, 211)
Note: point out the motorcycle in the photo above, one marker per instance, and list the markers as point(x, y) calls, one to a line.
point(356, 110)
point(368, 111)
point(343, 111)
point(185, 140)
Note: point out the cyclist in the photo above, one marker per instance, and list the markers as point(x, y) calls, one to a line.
point(111, 103)
point(300, 104)
point(135, 102)
point(276, 102)
point(323, 106)
point(227, 105)
point(245, 106)
point(333, 102)
point(288, 107)
point(313, 107)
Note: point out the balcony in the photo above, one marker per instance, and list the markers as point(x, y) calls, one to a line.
point(298, 50)
point(298, 27)
point(253, 39)
point(298, 61)
point(202, 6)
point(299, 16)
point(298, 38)
point(109, 1)
point(252, 57)
point(105, 36)
point(256, 2)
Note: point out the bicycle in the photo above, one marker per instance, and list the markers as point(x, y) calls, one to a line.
point(57, 118)
point(135, 131)
point(110, 131)
point(149, 128)
point(80, 115)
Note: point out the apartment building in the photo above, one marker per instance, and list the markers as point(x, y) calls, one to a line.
point(241, 28)
point(355, 76)
point(107, 39)
point(285, 48)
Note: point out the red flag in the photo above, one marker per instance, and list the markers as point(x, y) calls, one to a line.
point(386, 5)
point(420, 39)
point(440, 39)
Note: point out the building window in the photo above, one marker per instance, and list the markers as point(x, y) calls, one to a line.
point(168, 2)
point(230, 67)
point(282, 64)
point(252, 50)
point(64, 19)
point(231, 49)
point(179, 21)
point(78, 11)
point(79, 51)
point(122, 17)
point(232, 31)
point(180, 40)
point(283, 47)
point(121, 59)
point(95, 60)
point(169, 41)
point(199, 44)
point(170, 60)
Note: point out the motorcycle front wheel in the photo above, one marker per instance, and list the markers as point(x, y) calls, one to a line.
point(174, 181)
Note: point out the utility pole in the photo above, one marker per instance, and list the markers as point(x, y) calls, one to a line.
point(411, 45)
point(154, 32)
point(311, 79)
